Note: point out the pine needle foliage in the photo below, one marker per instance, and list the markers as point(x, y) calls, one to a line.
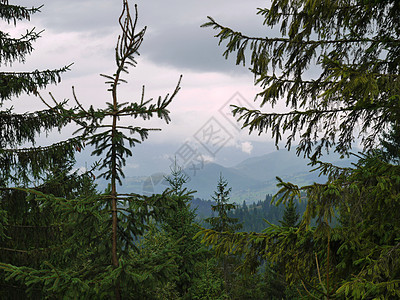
point(334, 65)
point(180, 227)
point(22, 165)
point(15, 49)
point(32, 230)
point(38, 231)
point(110, 139)
point(223, 222)
point(130, 213)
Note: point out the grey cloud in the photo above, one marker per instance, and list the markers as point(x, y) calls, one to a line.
point(97, 17)
point(188, 47)
point(174, 37)
point(184, 45)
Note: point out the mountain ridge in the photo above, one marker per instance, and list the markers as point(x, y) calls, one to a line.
point(251, 179)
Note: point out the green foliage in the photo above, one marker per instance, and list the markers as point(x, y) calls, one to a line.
point(20, 166)
point(359, 257)
point(254, 216)
point(290, 215)
point(391, 143)
point(130, 214)
point(180, 227)
point(14, 13)
point(209, 285)
point(39, 231)
point(16, 83)
point(16, 49)
point(351, 50)
point(223, 222)
point(35, 233)
point(351, 90)
point(156, 268)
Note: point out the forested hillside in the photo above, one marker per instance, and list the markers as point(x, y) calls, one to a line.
point(252, 216)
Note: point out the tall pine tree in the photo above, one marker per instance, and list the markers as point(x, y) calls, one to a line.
point(99, 258)
point(22, 165)
point(30, 229)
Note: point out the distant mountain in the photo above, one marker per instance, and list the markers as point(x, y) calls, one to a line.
point(250, 180)
point(278, 163)
point(255, 177)
point(202, 207)
point(205, 180)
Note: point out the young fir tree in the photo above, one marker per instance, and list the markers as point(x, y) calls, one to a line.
point(224, 223)
point(100, 258)
point(290, 216)
point(129, 212)
point(181, 229)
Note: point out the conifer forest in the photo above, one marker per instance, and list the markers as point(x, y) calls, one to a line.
point(333, 65)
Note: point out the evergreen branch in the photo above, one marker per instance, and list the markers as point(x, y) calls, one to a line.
point(77, 102)
point(304, 283)
point(294, 13)
point(13, 250)
point(36, 250)
point(226, 32)
point(12, 49)
point(307, 122)
point(16, 13)
point(71, 114)
point(15, 83)
point(307, 291)
point(31, 226)
point(29, 163)
point(131, 128)
point(330, 169)
point(76, 141)
point(39, 122)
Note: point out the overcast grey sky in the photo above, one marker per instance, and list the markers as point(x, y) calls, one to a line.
point(84, 32)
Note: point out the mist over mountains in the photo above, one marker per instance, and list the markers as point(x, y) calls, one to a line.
point(250, 179)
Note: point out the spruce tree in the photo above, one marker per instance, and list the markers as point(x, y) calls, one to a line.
point(129, 212)
point(36, 232)
point(224, 223)
point(180, 227)
point(22, 165)
point(101, 256)
point(290, 216)
point(30, 229)
point(15, 49)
